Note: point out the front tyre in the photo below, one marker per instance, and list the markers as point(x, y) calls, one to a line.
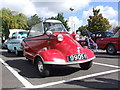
point(86, 65)
point(111, 49)
point(43, 70)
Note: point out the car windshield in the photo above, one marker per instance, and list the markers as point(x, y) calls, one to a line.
point(117, 34)
point(22, 34)
point(57, 27)
point(109, 34)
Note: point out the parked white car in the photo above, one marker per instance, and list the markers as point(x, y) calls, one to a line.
point(14, 44)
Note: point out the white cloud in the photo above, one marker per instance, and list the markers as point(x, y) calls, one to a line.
point(74, 22)
point(22, 6)
point(52, 8)
point(48, 8)
point(30, 7)
point(44, 12)
point(113, 22)
point(107, 12)
point(86, 15)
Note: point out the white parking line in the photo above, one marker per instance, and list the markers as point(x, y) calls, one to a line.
point(108, 65)
point(73, 79)
point(27, 84)
point(15, 73)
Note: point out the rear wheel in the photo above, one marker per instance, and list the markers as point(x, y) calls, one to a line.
point(111, 49)
point(8, 51)
point(86, 66)
point(18, 53)
point(29, 60)
point(43, 69)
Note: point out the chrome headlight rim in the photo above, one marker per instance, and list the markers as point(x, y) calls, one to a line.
point(60, 37)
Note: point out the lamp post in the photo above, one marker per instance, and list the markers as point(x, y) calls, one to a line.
point(72, 22)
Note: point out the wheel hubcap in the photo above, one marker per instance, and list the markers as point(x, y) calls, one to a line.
point(40, 66)
point(110, 49)
point(16, 52)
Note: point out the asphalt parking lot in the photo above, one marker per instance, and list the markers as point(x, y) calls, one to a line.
point(17, 73)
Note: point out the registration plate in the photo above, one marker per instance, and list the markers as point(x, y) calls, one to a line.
point(76, 57)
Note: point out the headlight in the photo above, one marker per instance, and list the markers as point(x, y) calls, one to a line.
point(77, 37)
point(60, 37)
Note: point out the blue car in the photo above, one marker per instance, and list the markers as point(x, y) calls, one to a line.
point(14, 44)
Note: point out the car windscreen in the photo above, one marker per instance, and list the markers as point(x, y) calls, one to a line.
point(36, 30)
point(117, 34)
point(109, 34)
point(57, 27)
point(22, 34)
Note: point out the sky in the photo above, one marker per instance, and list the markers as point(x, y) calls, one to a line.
point(76, 18)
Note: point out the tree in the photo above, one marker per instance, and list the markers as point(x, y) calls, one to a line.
point(33, 20)
point(83, 30)
point(97, 22)
point(12, 20)
point(61, 18)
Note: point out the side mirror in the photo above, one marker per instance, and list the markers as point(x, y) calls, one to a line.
point(49, 32)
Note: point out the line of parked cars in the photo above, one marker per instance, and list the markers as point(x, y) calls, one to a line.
point(49, 43)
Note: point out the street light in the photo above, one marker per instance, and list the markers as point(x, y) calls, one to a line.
point(72, 21)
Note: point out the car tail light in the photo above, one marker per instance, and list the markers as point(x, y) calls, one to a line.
point(60, 37)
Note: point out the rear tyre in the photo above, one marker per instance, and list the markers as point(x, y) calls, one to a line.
point(110, 49)
point(29, 60)
point(43, 69)
point(8, 51)
point(86, 66)
point(18, 53)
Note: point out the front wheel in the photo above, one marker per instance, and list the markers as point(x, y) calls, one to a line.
point(43, 70)
point(86, 66)
point(111, 49)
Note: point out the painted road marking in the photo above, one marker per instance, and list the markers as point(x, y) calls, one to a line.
point(108, 65)
point(27, 84)
point(15, 73)
point(73, 79)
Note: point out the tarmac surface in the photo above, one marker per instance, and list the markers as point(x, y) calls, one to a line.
point(18, 73)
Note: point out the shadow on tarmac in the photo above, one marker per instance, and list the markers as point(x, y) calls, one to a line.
point(9, 55)
point(101, 83)
point(105, 55)
point(27, 69)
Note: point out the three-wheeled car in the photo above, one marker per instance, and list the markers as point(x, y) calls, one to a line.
point(48, 43)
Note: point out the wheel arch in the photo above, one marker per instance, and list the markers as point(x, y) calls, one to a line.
point(35, 59)
point(109, 44)
point(15, 48)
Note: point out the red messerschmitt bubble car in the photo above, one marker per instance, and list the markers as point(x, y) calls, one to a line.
point(48, 43)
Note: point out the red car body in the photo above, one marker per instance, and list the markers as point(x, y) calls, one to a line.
point(56, 50)
point(110, 44)
point(53, 51)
